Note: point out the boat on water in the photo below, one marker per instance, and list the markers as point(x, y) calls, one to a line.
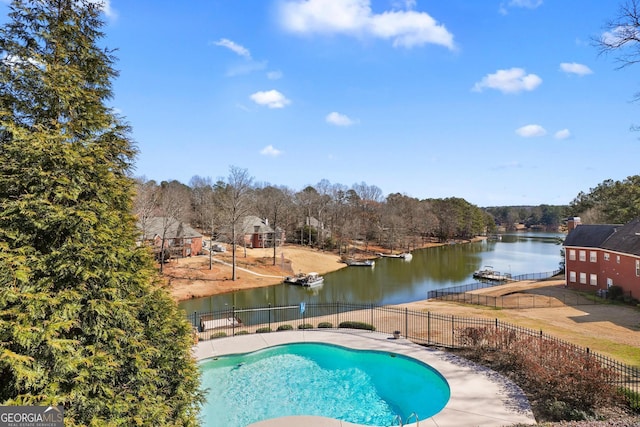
point(488, 273)
point(405, 255)
point(360, 262)
point(308, 280)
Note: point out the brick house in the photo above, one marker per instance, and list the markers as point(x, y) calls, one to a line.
point(598, 256)
point(258, 234)
point(179, 238)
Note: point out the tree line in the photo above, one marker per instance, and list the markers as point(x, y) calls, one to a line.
point(326, 215)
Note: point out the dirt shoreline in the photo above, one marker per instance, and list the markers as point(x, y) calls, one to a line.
point(188, 278)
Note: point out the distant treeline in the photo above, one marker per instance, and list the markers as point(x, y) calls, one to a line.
point(546, 217)
point(330, 215)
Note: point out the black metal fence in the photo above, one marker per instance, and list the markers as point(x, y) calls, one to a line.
point(531, 299)
point(482, 284)
point(426, 328)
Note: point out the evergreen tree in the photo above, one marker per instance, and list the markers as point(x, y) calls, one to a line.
point(83, 322)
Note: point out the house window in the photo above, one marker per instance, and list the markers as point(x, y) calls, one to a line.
point(572, 276)
point(618, 259)
point(583, 278)
point(606, 256)
point(583, 256)
point(609, 282)
point(637, 268)
point(593, 279)
point(572, 254)
point(593, 256)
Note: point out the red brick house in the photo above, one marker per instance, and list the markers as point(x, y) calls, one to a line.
point(179, 238)
point(598, 256)
point(258, 234)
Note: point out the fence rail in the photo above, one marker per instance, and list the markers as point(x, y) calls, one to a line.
point(426, 328)
point(483, 284)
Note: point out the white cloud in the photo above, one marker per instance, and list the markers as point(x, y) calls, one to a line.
point(246, 67)
point(235, 47)
point(562, 134)
point(513, 80)
point(14, 61)
point(527, 4)
point(575, 68)
point(271, 98)
point(620, 36)
point(270, 151)
point(338, 119)
point(530, 131)
point(274, 75)
point(105, 5)
point(405, 28)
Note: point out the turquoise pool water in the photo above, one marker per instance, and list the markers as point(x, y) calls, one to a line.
point(363, 387)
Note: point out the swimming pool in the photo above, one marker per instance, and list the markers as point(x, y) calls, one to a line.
point(362, 387)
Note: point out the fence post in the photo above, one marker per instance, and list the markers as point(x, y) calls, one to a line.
point(233, 321)
point(372, 314)
point(428, 327)
point(452, 330)
point(195, 320)
point(269, 317)
point(406, 322)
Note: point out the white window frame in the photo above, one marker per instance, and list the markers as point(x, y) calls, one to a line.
point(606, 256)
point(572, 254)
point(593, 279)
point(572, 276)
point(593, 256)
point(583, 278)
point(582, 256)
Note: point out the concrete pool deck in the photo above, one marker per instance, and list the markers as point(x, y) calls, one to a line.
point(479, 396)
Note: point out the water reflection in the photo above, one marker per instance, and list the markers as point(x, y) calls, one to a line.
point(396, 281)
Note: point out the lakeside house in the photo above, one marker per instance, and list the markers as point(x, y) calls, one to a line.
point(180, 239)
point(598, 256)
point(259, 234)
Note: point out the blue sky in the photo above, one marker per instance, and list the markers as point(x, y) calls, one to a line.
point(503, 102)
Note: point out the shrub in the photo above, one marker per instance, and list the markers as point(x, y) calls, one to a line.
point(263, 330)
point(632, 399)
point(219, 335)
point(615, 292)
point(357, 325)
point(305, 326)
point(284, 328)
point(242, 333)
point(565, 383)
point(325, 325)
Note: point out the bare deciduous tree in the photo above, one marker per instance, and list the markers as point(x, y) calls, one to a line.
point(145, 204)
point(271, 202)
point(173, 207)
point(235, 205)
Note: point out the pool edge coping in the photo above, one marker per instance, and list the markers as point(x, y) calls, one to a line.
point(479, 396)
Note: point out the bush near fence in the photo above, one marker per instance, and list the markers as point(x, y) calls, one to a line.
point(566, 382)
point(431, 329)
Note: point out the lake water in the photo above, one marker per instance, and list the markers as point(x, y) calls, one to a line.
point(396, 281)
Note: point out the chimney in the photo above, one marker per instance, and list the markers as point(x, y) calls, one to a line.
point(572, 223)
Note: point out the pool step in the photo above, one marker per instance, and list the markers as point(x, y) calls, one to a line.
point(398, 419)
